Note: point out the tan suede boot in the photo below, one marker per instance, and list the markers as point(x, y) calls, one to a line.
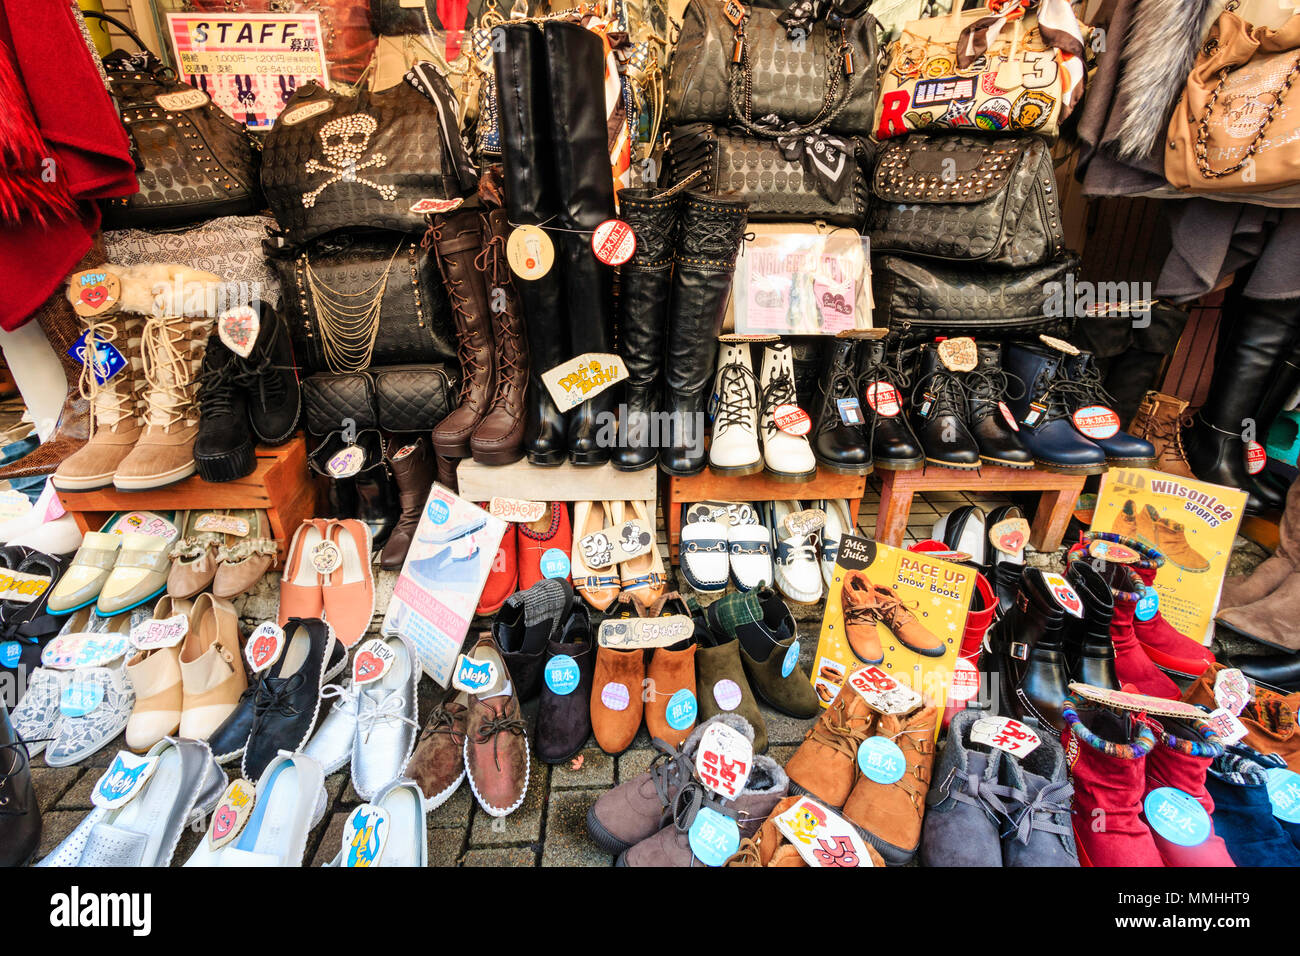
point(1157, 421)
point(1243, 589)
point(825, 764)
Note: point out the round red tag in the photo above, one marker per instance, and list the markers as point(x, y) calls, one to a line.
point(792, 419)
point(613, 242)
point(965, 681)
point(1010, 419)
point(1256, 457)
point(884, 399)
point(1096, 421)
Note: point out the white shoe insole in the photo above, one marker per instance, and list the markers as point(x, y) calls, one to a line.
point(148, 812)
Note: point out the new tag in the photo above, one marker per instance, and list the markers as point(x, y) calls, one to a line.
point(600, 549)
point(1005, 734)
point(573, 382)
point(264, 647)
point(723, 760)
point(518, 510)
point(233, 808)
point(364, 836)
point(123, 780)
point(639, 632)
point(475, 676)
point(530, 252)
point(151, 635)
point(372, 661)
point(882, 692)
point(94, 292)
point(238, 327)
point(822, 837)
point(613, 242)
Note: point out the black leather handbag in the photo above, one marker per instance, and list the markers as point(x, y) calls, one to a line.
point(193, 161)
point(361, 300)
point(781, 180)
point(342, 162)
point(814, 73)
point(398, 398)
point(923, 299)
point(966, 199)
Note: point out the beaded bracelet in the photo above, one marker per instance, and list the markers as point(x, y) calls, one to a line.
point(1151, 558)
point(1135, 586)
point(1145, 742)
point(1210, 745)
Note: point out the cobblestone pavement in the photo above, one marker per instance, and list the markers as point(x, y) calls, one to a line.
point(550, 828)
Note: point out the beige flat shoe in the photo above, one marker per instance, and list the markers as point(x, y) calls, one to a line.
point(644, 578)
point(243, 558)
point(598, 587)
point(194, 554)
point(156, 676)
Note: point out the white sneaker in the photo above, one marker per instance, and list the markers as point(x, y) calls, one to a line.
point(838, 524)
point(703, 555)
point(786, 456)
point(798, 574)
point(734, 449)
point(751, 555)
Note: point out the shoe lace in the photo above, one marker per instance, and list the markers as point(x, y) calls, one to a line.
point(890, 607)
point(747, 854)
point(779, 391)
point(260, 370)
point(987, 386)
point(119, 401)
point(164, 369)
point(512, 354)
point(1055, 798)
point(949, 392)
point(670, 770)
point(388, 710)
point(1064, 395)
point(806, 550)
point(839, 734)
point(494, 727)
point(739, 387)
point(441, 721)
point(217, 380)
point(984, 795)
point(880, 370)
point(277, 699)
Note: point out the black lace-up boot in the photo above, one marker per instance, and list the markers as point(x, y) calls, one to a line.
point(839, 442)
point(939, 413)
point(1122, 449)
point(991, 421)
point(274, 395)
point(881, 385)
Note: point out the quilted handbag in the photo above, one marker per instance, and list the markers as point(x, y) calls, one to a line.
point(737, 63)
point(353, 301)
point(398, 398)
point(776, 187)
point(920, 300)
point(339, 162)
point(193, 161)
point(966, 199)
point(331, 399)
point(996, 68)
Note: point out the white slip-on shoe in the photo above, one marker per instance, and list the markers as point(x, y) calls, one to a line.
point(787, 455)
point(142, 805)
point(387, 713)
point(734, 447)
point(750, 553)
point(838, 524)
point(289, 801)
point(703, 555)
point(798, 573)
point(388, 831)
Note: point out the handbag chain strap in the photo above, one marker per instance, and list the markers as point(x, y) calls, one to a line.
point(348, 328)
point(1203, 128)
point(835, 99)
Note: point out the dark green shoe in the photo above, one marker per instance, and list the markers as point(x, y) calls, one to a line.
point(768, 649)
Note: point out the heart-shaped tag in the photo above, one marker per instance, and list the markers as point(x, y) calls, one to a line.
point(232, 812)
point(1009, 536)
point(265, 645)
point(94, 296)
point(373, 660)
point(238, 328)
point(96, 291)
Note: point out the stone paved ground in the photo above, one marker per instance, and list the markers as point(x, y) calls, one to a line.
point(550, 828)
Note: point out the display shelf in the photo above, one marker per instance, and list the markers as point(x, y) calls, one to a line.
point(561, 483)
point(1055, 506)
point(280, 485)
point(707, 486)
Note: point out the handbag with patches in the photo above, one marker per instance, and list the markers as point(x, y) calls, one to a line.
point(1012, 66)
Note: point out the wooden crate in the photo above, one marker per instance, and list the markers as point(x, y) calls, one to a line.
point(1059, 493)
point(280, 485)
point(707, 486)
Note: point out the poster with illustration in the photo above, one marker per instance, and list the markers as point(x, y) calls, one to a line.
point(1192, 523)
point(897, 614)
point(439, 586)
point(249, 64)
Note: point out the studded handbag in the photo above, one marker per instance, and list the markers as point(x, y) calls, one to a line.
point(193, 161)
point(966, 199)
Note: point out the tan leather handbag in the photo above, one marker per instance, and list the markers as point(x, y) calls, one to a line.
point(1237, 126)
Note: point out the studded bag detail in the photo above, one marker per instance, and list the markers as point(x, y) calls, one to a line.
point(967, 199)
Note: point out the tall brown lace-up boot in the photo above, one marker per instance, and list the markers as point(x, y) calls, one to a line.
point(499, 437)
point(1157, 421)
point(457, 242)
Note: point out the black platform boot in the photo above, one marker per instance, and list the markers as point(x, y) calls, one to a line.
point(1089, 651)
point(646, 281)
point(1027, 652)
point(991, 421)
point(939, 414)
point(710, 231)
point(523, 102)
point(840, 446)
point(1253, 334)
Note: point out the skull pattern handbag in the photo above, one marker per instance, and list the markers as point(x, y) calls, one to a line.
point(338, 162)
point(1012, 66)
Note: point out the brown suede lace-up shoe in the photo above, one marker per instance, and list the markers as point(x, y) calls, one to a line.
point(825, 765)
point(1158, 420)
point(889, 815)
point(438, 763)
point(856, 600)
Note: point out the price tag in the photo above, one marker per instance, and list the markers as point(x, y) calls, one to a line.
point(800, 524)
point(1148, 605)
point(1284, 793)
point(80, 698)
point(562, 675)
point(881, 760)
point(1009, 536)
point(530, 252)
point(1226, 726)
point(884, 399)
point(1113, 553)
point(372, 661)
point(365, 834)
point(237, 329)
point(22, 587)
point(682, 710)
point(182, 100)
point(233, 808)
point(614, 545)
point(1059, 345)
point(1005, 734)
point(723, 760)
point(1176, 816)
point(264, 647)
point(1096, 421)
point(959, 354)
point(123, 780)
point(850, 410)
point(641, 632)
point(223, 524)
point(554, 563)
point(145, 522)
point(94, 292)
point(822, 837)
point(965, 683)
point(475, 676)
point(791, 659)
point(1232, 691)
point(1008, 417)
point(613, 242)
point(345, 463)
point(107, 359)
point(517, 510)
point(151, 635)
point(882, 693)
point(714, 837)
point(1256, 457)
point(573, 382)
point(305, 112)
point(792, 419)
point(429, 206)
point(1063, 594)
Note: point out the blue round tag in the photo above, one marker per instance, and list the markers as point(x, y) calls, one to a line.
point(562, 675)
point(438, 511)
point(791, 659)
point(881, 760)
point(681, 709)
point(714, 837)
point(1176, 816)
point(1148, 605)
point(79, 699)
point(1284, 793)
point(11, 653)
point(554, 564)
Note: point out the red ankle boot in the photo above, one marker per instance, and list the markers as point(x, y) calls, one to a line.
point(1183, 752)
point(1167, 647)
point(1107, 754)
